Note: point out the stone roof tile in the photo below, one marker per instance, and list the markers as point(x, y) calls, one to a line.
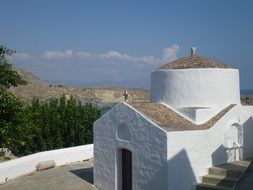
point(169, 120)
point(193, 61)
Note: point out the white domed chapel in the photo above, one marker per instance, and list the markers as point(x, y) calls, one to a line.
point(197, 87)
point(194, 121)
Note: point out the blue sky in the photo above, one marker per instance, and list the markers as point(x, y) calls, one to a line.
point(118, 43)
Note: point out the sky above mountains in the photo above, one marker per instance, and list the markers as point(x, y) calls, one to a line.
point(118, 43)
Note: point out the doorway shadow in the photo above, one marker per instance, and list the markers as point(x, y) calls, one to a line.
point(84, 173)
point(219, 156)
point(247, 139)
point(180, 172)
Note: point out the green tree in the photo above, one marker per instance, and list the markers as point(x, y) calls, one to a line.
point(10, 106)
point(58, 123)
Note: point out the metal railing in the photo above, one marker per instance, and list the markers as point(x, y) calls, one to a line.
point(236, 147)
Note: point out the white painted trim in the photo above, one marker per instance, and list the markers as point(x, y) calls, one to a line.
point(27, 164)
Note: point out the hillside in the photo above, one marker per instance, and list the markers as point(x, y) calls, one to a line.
point(100, 97)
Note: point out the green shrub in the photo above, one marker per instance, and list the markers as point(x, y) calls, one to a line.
point(10, 106)
point(2, 153)
point(57, 124)
point(7, 158)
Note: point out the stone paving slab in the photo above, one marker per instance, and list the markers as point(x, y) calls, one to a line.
point(77, 176)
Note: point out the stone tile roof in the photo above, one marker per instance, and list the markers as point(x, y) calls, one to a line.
point(193, 61)
point(169, 120)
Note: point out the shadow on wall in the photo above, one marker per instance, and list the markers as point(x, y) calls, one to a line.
point(85, 174)
point(159, 179)
point(180, 173)
point(219, 156)
point(248, 139)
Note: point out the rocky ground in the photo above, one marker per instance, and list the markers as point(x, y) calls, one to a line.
point(247, 99)
point(100, 97)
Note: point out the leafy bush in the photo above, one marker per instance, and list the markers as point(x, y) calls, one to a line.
point(10, 106)
point(2, 153)
point(7, 158)
point(58, 124)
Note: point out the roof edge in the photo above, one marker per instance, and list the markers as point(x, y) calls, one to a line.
point(194, 61)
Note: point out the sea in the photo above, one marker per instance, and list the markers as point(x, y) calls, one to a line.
point(246, 91)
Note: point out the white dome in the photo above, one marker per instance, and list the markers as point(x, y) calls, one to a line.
point(195, 81)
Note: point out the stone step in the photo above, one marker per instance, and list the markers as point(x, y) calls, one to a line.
point(219, 180)
point(225, 172)
point(238, 165)
point(206, 186)
point(244, 163)
point(223, 177)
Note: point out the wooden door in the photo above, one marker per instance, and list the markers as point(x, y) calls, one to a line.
point(126, 169)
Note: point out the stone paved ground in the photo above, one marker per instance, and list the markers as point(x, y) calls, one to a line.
point(246, 183)
point(77, 176)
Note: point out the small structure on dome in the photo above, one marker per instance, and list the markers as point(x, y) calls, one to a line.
point(193, 51)
point(192, 122)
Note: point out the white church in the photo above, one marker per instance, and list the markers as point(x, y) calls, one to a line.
point(194, 121)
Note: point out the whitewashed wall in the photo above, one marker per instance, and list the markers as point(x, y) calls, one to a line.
point(139, 135)
point(190, 153)
point(198, 115)
point(211, 87)
point(27, 164)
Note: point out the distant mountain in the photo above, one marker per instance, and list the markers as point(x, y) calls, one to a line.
point(100, 97)
point(30, 77)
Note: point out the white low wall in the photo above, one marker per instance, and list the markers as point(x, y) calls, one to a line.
point(27, 164)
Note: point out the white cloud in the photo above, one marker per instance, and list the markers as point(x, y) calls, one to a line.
point(97, 69)
point(83, 54)
point(111, 55)
point(170, 53)
point(19, 56)
point(57, 54)
point(116, 55)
